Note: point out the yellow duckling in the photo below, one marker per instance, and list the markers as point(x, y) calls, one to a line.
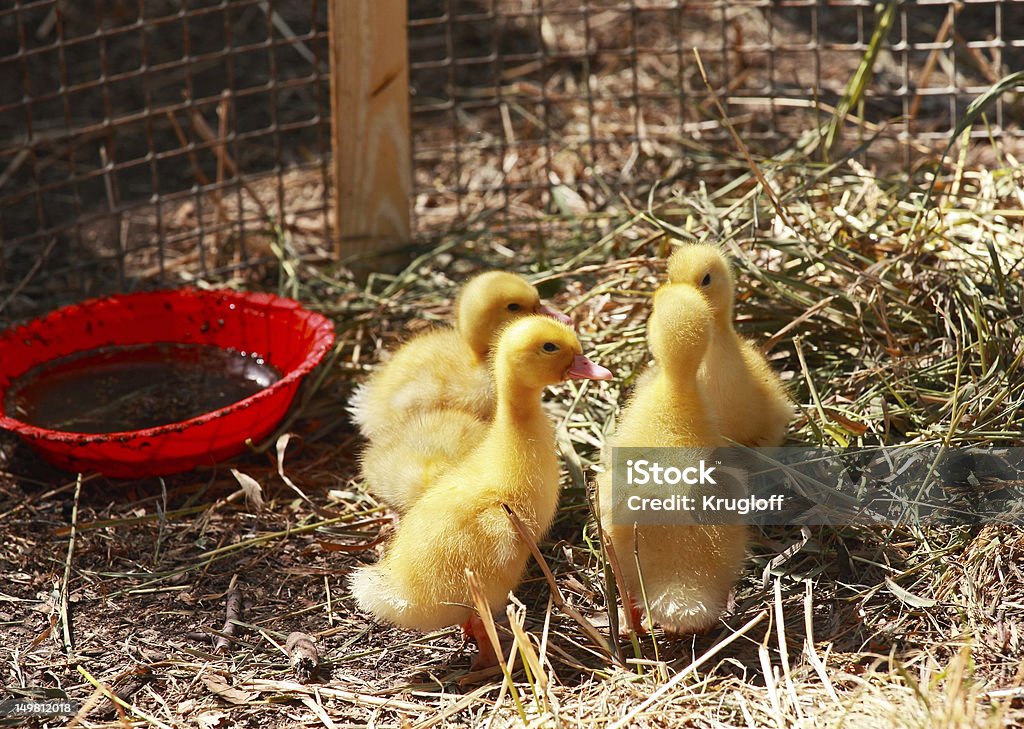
point(447, 368)
point(458, 522)
point(752, 406)
point(687, 570)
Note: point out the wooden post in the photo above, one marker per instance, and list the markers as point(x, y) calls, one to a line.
point(370, 124)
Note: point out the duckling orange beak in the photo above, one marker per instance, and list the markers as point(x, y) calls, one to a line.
point(583, 369)
point(553, 313)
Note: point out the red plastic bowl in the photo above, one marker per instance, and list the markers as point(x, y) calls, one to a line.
point(289, 337)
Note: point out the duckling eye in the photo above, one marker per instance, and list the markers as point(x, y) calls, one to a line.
point(550, 347)
point(514, 307)
point(706, 281)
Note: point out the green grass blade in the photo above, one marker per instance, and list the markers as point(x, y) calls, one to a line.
point(865, 72)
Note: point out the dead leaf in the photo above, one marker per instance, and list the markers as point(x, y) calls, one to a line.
point(851, 426)
point(213, 720)
point(251, 488)
point(282, 446)
point(226, 691)
point(908, 597)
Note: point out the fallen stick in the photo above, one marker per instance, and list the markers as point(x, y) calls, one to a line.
point(124, 687)
point(302, 655)
point(234, 614)
point(285, 687)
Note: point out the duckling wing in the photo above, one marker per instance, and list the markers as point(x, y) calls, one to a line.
point(416, 451)
point(436, 370)
point(776, 407)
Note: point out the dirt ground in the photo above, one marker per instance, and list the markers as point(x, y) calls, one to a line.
point(830, 627)
point(888, 320)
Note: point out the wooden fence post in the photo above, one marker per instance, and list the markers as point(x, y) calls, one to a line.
point(370, 125)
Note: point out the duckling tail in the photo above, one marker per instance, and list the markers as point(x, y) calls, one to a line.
point(356, 406)
point(375, 593)
point(686, 610)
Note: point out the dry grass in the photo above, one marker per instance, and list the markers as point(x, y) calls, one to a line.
point(894, 316)
point(891, 307)
point(891, 321)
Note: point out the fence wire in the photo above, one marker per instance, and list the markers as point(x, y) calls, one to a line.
point(528, 109)
point(152, 141)
point(138, 136)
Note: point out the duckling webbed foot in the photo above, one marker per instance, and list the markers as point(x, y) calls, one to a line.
point(473, 629)
point(633, 618)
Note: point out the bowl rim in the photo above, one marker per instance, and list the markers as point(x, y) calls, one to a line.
point(323, 339)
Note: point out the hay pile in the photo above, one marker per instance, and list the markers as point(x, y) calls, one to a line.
point(892, 315)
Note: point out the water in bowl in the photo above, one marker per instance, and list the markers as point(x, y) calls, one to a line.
point(116, 389)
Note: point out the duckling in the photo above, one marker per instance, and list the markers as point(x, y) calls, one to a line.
point(752, 405)
point(687, 570)
point(448, 367)
point(458, 521)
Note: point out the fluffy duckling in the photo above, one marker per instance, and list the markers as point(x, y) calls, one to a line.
point(448, 367)
point(752, 406)
point(687, 570)
point(458, 521)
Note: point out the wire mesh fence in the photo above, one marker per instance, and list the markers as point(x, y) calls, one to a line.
point(140, 135)
point(142, 138)
point(525, 109)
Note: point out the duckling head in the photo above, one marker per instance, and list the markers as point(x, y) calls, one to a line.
point(703, 267)
point(490, 301)
point(537, 351)
point(680, 328)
